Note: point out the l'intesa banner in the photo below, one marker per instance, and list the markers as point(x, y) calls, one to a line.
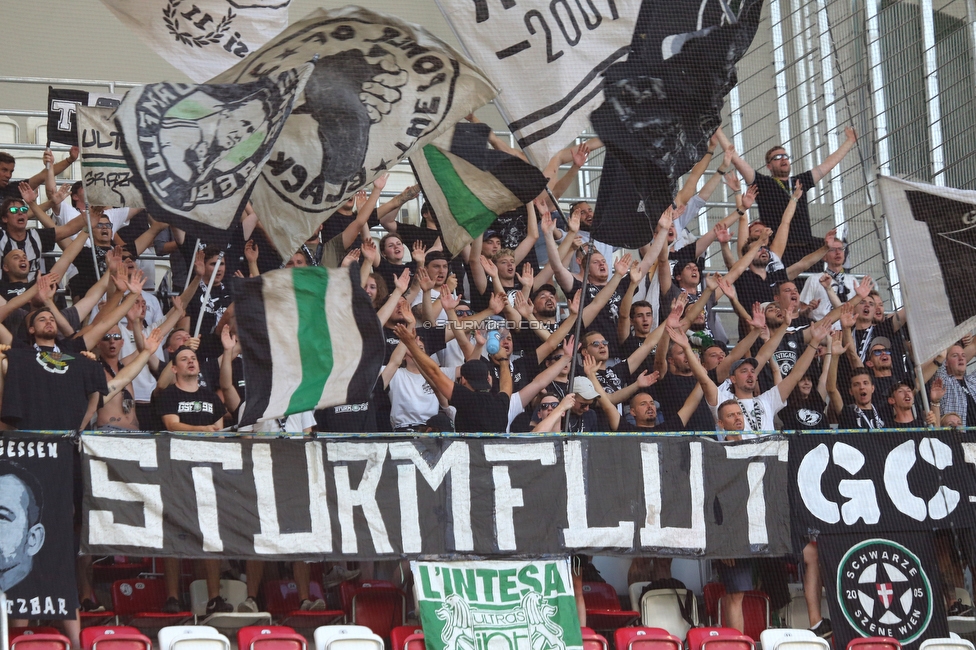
point(434, 497)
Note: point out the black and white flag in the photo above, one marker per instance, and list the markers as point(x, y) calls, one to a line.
point(37, 551)
point(62, 111)
point(104, 170)
point(196, 150)
point(547, 57)
point(661, 107)
point(202, 38)
point(381, 90)
point(933, 234)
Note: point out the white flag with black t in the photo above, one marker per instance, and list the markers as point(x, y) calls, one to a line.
point(196, 150)
point(381, 90)
point(548, 58)
point(933, 234)
point(204, 37)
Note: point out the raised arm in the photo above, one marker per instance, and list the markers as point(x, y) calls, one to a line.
point(99, 329)
point(531, 237)
point(783, 232)
point(818, 331)
point(833, 159)
point(606, 404)
point(428, 367)
point(709, 389)
point(135, 366)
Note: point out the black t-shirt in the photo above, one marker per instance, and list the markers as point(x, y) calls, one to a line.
point(670, 424)
point(338, 222)
point(614, 378)
point(433, 339)
point(347, 418)
point(48, 389)
point(391, 271)
point(631, 345)
point(605, 321)
point(199, 408)
point(526, 341)
point(524, 370)
point(220, 299)
point(807, 416)
point(916, 423)
point(479, 411)
point(86, 278)
point(672, 391)
point(774, 197)
point(751, 288)
point(408, 234)
point(852, 417)
point(10, 290)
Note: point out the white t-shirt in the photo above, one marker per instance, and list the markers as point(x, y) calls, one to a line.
point(154, 311)
point(813, 290)
point(758, 412)
point(412, 399)
point(144, 383)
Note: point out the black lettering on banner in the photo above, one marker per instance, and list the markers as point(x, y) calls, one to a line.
point(481, 9)
point(572, 39)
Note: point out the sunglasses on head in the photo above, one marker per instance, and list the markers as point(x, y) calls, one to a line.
point(23, 209)
point(779, 156)
point(112, 337)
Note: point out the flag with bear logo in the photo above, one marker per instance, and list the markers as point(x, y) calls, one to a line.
point(381, 89)
point(477, 604)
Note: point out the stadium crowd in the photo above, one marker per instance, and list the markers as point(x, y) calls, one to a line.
point(477, 339)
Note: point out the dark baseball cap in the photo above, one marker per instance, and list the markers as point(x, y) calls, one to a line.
point(546, 287)
point(475, 372)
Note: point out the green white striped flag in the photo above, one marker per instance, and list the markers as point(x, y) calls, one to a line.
point(310, 339)
point(469, 185)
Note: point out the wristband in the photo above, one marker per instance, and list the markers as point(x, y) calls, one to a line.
point(741, 213)
point(793, 199)
point(709, 153)
point(723, 172)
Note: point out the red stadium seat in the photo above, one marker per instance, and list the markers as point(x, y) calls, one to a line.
point(407, 637)
point(111, 637)
point(348, 588)
point(140, 603)
point(874, 643)
point(269, 637)
point(718, 638)
point(281, 601)
point(713, 592)
point(645, 638)
point(379, 608)
point(40, 642)
point(592, 640)
point(603, 611)
point(755, 613)
point(38, 629)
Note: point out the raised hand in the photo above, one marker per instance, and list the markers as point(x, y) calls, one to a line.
point(677, 336)
point(527, 277)
point(936, 391)
point(238, 274)
point(569, 344)
point(402, 281)
point(547, 224)
point(380, 182)
point(418, 253)
point(645, 380)
point(677, 310)
point(155, 338)
point(497, 302)
point(351, 256)
point(370, 252)
point(407, 314)
point(711, 281)
point(424, 280)
point(830, 237)
point(797, 191)
point(749, 196)
point(178, 304)
point(574, 303)
point(449, 301)
point(837, 346)
point(851, 134)
point(541, 207)
point(864, 287)
point(199, 267)
point(580, 154)
point(137, 279)
point(193, 343)
point(722, 233)
point(61, 193)
point(410, 193)
point(490, 269)
point(622, 266)
point(636, 273)
point(452, 282)
point(847, 317)
point(523, 306)
point(361, 198)
point(825, 281)
point(758, 316)
point(403, 332)
point(251, 251)
point(47, 286)
point(727, 287)
point(27, 192)
point(589, 366)
point(227, 339)
point(727, 158)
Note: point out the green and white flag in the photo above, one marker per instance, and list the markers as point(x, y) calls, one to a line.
point(471, 605)
point(469, 185)
point(310, 340)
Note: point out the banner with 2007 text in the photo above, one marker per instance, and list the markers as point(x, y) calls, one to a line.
point(434, 497)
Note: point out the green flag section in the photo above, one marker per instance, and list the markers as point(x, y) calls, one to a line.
point(310, 339)
point(523, 605)
point(469, 185)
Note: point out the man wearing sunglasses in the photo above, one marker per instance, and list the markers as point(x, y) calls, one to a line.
point(776, 188)
point(14, 213)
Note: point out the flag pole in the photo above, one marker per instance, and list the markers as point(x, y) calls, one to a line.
point(91, 241)
point(189, 271)
point(579, 322)
point(206, 296)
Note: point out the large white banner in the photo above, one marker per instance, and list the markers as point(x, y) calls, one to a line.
point(202, 37)
point(547, 56)
point(933, 234)
point(104, 170)
point(382, 89)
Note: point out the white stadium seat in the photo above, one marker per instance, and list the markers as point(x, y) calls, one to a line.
point(346, 637)
point(192, 637)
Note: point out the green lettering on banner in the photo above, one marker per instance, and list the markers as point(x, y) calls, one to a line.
point(554, 582)
point(506, 585)
point(429, 592)
point(487, 579)
point(464, 581)
point(445, 574)
point(530, 582)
